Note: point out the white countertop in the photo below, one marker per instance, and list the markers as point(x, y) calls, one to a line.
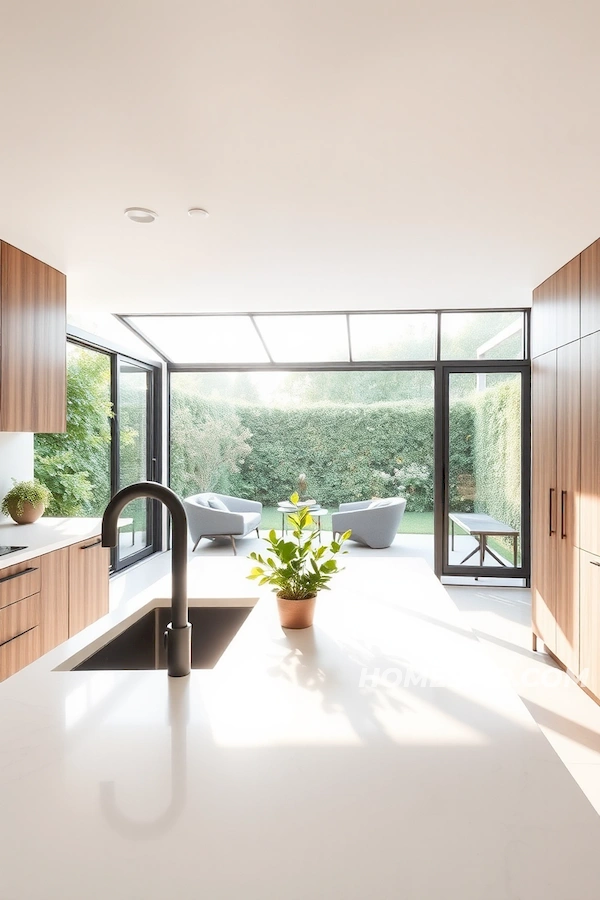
point(43, 536)
point(286, 772)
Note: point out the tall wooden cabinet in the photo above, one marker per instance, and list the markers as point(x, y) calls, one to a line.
point(555, 501)
point(566, 466)
point(32, 343)
point(543, 497)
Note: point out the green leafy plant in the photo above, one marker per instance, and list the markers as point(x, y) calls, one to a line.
point(298, 569)
point(23, 492)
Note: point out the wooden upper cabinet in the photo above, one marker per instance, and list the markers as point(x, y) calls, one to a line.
point(543, 319)
point(555, 314)
point(32, 344)
point(590, 289)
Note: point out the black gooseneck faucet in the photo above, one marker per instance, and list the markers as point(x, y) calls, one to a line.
point(179, 631)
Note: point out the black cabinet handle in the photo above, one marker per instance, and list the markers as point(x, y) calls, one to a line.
point(93, 544)
point(18, 574)
point(594, 563)
point(551, 530)
point(563, 497)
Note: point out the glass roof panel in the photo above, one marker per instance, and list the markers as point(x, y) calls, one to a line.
point(394, 336)
point(305, 338)
point(107, 326)
point(482, 335)
point(203, 340)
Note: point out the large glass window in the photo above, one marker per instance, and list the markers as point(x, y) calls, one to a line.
point(76, 465)
point(108, 444)
point(355, 435)
point(484, 526)
point(135, 463)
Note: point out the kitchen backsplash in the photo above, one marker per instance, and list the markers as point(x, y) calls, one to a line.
point(16, 459)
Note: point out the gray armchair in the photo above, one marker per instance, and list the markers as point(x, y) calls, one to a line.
point(213, 515)
point(372, 522)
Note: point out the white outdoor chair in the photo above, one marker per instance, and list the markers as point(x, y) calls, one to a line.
point(214, 515)
point(372, 522)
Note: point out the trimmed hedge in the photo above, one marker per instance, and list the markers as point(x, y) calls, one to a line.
point(348, 452)
point(356, 451)
point(342, 449)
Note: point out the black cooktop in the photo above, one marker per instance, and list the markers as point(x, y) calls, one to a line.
point(4, 550)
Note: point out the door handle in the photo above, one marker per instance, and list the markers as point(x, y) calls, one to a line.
point(551, 531)
point(93, 544)
point(563, 497)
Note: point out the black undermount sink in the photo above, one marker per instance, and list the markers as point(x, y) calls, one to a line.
point(141, 646)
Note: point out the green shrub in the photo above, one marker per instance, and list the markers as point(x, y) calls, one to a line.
point(497, 454)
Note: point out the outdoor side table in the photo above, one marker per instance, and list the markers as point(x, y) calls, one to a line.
point(315, 511)
point(481, 526)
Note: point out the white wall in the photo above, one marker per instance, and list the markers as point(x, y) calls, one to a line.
point(16, 460)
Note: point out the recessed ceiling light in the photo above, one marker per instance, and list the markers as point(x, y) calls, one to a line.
point(197, 211)
point(141, 215)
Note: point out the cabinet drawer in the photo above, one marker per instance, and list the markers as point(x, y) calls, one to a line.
point(19, 617)
point(19, 581)
point(19, 652)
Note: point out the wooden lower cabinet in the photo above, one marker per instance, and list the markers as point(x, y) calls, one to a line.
point(55, 598)
point(589, 668)
point(46, 600)
point(18, 653)
point(88, 583)
point(19, 581)
point(19, 617)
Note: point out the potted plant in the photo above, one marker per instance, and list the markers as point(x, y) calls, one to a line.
point(298, 569)
point(26, 501)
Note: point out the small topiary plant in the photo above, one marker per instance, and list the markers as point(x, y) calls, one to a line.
point(22, 492)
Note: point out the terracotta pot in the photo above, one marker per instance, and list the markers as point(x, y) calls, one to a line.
point(296, 613)
point(30, 513)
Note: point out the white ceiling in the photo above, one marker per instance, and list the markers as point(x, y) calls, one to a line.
point(352, 154)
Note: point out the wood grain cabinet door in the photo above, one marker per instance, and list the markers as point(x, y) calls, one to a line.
point(590, 289)
point(543, 319)
point(32, 344)
point(88, 583)
point(590, 444)
point(54, 625)
point(543, 498)
point(567, 504)
point(590, 619)
point(567, 302)
point(556, 309)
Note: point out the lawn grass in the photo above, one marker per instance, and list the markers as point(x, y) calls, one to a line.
point(412, 523)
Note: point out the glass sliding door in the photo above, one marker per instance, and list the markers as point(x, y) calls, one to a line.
point(486, 514)
point(134, 456)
